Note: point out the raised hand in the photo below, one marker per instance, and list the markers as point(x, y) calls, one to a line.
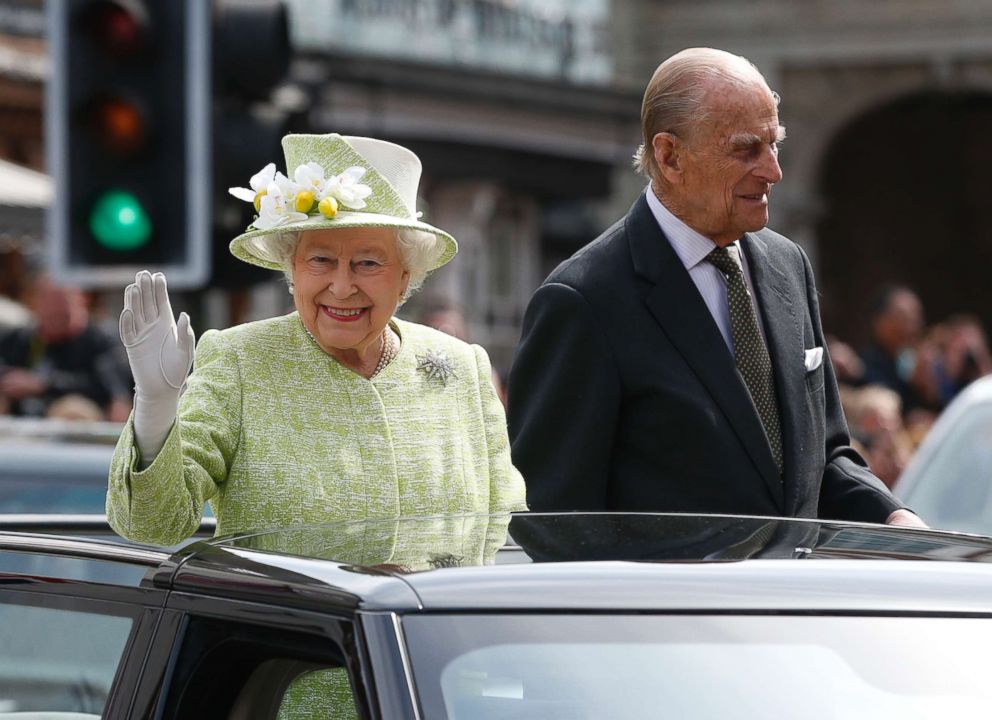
point(159, 350)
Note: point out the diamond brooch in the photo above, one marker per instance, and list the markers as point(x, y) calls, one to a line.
point(436, 365)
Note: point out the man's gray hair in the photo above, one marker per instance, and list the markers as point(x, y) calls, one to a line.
point(674, 98)
point(418, 251)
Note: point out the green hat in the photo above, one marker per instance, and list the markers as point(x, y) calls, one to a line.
point(334, 182)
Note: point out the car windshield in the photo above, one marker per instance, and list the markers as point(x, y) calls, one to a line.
point(741, 667)
point(954, 490)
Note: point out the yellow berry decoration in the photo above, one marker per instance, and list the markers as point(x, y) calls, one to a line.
point(328, 207)
point(304, 201)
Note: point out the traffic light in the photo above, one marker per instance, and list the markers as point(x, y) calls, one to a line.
point(129, 140)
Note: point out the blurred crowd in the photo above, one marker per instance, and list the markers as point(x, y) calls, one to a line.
point(55, 360)
point(58, 361)
point(894, 387)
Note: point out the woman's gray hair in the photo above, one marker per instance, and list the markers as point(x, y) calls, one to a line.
point(418, 250)
point(674, 98)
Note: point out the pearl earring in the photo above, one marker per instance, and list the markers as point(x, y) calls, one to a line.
point(291, 286)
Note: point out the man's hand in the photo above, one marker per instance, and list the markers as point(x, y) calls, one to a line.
point(906, 519)
point(18, 383)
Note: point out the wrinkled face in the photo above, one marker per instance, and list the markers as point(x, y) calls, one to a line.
point(730, 163)
point(347, 284)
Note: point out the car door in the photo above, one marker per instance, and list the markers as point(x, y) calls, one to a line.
point(76, 620)
point(215, 657)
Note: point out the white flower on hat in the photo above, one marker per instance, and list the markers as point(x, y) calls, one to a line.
point(280, 201)
point(309, 186)
point(346, 189)
point(276, 206)
point(259, 183)
point(310, 177)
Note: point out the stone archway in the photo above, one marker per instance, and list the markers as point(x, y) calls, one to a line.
point(907, 198)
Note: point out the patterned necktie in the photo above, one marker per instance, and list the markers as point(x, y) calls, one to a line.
point(750, 352)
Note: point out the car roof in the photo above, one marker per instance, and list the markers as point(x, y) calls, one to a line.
point(595, 562)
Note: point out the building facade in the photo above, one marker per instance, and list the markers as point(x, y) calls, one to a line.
point(526, 114)
point(513, 109)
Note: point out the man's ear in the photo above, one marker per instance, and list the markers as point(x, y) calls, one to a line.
point(667, 156)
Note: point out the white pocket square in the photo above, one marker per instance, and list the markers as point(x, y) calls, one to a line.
point(813, 359)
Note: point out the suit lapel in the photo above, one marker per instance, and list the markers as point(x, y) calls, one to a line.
point(784, 337)
point(676, 304)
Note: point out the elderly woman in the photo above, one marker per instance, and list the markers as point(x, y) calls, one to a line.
point(336, 411)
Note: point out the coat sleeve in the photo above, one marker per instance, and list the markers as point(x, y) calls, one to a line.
point(163, 503)
point(564, 406)
point(849, 490)
point(506, 486)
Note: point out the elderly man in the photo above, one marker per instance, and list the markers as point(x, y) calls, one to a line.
point(677, 362)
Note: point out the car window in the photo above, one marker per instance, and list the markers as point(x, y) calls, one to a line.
point(59, 655)
point(954, 490)
point(53, 565)
point(691, 667)
point(56, 478)
point(244, 671)
point(42, 495)
point(67, 478)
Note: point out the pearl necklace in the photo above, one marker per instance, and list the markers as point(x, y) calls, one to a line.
point(390, 348)
point(389, 351)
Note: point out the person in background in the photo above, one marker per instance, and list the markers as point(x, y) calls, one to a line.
point(59, 354)
point(847, 363)
point(677, 362)
point(874, 414)
point(898, 356)
point(963, 354)
point(444, 314)
point(12, 315)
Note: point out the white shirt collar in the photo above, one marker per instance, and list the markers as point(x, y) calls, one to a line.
point(691, 247)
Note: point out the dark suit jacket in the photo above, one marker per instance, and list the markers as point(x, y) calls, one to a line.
point(624, 395)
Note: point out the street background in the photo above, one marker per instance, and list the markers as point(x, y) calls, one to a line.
point(526, 115)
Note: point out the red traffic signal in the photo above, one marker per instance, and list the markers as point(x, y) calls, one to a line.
point(119, 27)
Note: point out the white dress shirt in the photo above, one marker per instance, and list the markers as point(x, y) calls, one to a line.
point(692, 249)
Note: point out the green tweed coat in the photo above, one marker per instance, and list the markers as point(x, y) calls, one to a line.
point(274, 432)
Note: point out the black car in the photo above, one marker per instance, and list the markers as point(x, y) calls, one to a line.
point(491, 617)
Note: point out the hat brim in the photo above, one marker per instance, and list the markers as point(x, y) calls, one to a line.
point(255, 246)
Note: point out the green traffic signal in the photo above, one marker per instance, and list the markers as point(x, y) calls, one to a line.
point(119, 221)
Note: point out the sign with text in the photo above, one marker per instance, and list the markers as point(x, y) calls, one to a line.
point(550, 39)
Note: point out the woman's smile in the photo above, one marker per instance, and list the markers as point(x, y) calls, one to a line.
point(344, 314)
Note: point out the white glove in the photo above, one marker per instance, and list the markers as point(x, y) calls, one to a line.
point(160, 354)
